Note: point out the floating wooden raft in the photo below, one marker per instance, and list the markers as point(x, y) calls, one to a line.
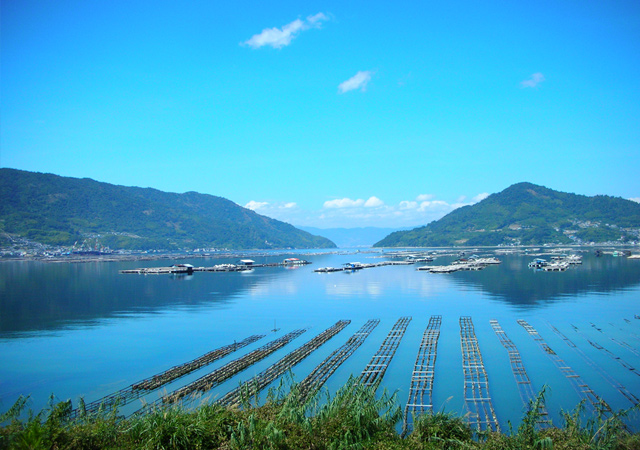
point(375, 370)
point(225, 372)
point(581, 387)
point(527, 394)
point(420, 393)
point(265, 377)
point(137, 390)
point(620, 343)
point(183, 369)
point(326, 368)
point(615, 383)
point(476, 382)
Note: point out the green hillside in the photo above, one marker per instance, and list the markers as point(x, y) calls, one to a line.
point(57, 210)
point(528, 214)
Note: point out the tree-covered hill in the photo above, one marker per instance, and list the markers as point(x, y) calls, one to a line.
point(528, 214)
point(57, 210)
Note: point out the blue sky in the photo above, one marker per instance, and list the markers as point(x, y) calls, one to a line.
point(326, 114)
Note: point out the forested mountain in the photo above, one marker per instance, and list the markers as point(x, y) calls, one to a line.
point(59, 210)
point(528, 214)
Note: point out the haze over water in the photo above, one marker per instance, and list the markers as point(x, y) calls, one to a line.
point(86, 330)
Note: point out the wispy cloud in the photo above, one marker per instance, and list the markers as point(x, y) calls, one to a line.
point(358, 81)
point(348, 212)
point(343, 203)
point(281, 37)
point(534, 81)
point(255, 206)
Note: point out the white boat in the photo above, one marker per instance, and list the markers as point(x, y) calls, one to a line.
point(538, 263)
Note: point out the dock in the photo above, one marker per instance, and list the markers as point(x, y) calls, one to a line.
point(188, 269)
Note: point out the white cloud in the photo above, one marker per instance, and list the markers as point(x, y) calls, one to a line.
point(407, 205)
point(532, 82)
point(348, 212)
point(317, 19)
point(424, 197)
point(373, 202)
point(358, 81)
point(281, 37)
point(635, 199)
point(343, 203)
point(253, 205)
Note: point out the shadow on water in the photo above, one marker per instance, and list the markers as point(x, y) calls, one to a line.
point(36, 296)
point(514, 283)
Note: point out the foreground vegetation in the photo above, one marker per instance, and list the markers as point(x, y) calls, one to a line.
point(353, 419)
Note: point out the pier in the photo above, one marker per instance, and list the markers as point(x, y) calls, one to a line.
point(264, 378)
point(420, 393)
point(188, 269)
point(374, 372)
point(476, 382)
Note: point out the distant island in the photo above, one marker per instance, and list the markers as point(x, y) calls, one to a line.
point(527, 214)
point(87, 215)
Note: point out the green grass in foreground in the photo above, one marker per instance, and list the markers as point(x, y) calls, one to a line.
point(352, 419)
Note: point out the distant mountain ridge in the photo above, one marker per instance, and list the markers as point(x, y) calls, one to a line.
point(57, 210)
point(352, 237)
point(528, 214)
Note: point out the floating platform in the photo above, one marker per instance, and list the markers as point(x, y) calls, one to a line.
point(476, 382)
point(264, 378)
point(420, 392)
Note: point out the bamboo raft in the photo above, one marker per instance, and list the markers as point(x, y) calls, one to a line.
point(581, 387)
point(620, 343)
point(527, 393)
point(420, 399)
point(476, 382)
point(375, 370)
point(318, 376)
point(597, 346)
point(615, 383)
point(178, 371)
point(265, 377)
point(137, 390)
point(225, 372)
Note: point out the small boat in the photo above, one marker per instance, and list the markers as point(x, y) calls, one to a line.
point(328, 269)
point(353, 266)
point(295, 262)
point(538, 263)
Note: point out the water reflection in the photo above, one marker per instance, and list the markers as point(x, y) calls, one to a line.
point(514, 283)
point(37, 296)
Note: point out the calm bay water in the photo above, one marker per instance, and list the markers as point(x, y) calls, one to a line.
point(85, 330)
